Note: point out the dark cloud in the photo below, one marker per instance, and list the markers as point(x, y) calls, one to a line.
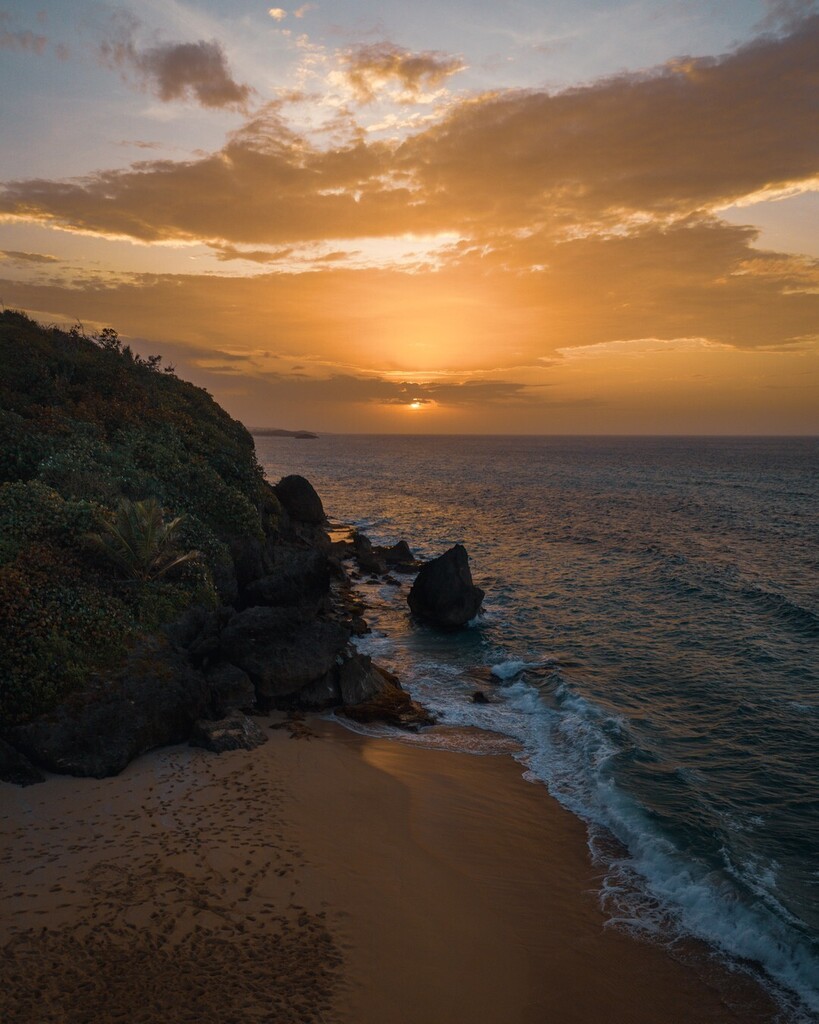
point(27, 257)
point(140, 144)
point(346, 388)
point(179, 71)
point(368, 68)
point(225, 253)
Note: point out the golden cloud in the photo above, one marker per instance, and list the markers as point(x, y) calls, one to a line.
point(694, 134)
point(368, 68)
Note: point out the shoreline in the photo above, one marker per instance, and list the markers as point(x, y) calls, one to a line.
point(325, 876)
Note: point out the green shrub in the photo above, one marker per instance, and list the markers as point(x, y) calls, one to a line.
point(139, 543)
point(56, 626)
point(22, 448)
point(32, 511)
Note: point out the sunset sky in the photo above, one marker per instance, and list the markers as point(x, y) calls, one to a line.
point(537, 216)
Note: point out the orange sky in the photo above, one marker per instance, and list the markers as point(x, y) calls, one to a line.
point(369, 247)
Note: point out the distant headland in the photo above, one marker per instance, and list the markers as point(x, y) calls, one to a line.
point(302, 435)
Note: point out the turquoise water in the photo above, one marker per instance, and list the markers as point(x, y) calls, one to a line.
point(649, 638)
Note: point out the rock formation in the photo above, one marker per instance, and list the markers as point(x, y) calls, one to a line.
point(443, 592)
point(299, 499)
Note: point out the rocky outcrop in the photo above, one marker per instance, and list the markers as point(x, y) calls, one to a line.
point(391, 705)
point(300, 500)
point(369, 560)
point(443, 592)
point(299, 577)
point(399, 557)
point(234, 732)
point(280, 650)
point(282, 641)
point(230, 688)
point(153, 702)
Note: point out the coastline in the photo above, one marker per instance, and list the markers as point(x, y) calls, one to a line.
point(324, 876)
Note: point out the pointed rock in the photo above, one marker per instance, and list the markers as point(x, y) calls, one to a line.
point(443, 592)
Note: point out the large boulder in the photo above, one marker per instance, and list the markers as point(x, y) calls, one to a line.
point(299, 499)
point(443, 592)
point(300, 576)
point(153, 702)
point(359, 680)
point(234, 732)
point(230, 688)
point(280, 651)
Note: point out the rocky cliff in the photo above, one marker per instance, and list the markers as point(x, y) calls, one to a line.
point(110, 647)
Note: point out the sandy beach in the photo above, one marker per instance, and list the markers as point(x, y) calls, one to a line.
point(323, 877)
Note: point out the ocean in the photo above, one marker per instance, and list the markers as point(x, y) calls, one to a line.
point(648, 643)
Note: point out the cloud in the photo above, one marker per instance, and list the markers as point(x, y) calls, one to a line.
point(580, 219)
point(368, 68)
point(304, 9)
point(23, 40)
point(347, 388)
point(786, 14)
point(19, 39)
point(27, 257)
point(277, 13)
point(697, 133)
point(178, 71)
point(230, 252)
point(140, 144)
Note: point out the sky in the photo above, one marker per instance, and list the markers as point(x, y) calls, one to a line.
point(535, 217)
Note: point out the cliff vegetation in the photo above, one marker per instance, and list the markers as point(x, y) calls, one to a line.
point(103, 451)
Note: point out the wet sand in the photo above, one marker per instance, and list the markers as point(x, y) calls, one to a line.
point(323, 877)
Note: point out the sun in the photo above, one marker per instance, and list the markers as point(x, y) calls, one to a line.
point(416, 405)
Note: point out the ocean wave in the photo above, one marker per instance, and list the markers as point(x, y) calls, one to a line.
point(784, 609)
point(653, 885)
point(656, 886)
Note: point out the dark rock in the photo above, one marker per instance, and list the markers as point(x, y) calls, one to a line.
point(359, 680)
point(280, 651)
point(392, 581)
point(16, 767)
point(195, 625)
point(230, 688)
point(391, 705)
point(323, 693)
point(299, 498)
point(152, 702)
point(443, 592)
point(342, 549)
point(399, 557)
point(300, 576)
point(367, 557)
point(250, 559)
point(198, 631)
point(358, 626)
point(234, 732)
point(479, 697)
point(398, 553)
point(223, 570)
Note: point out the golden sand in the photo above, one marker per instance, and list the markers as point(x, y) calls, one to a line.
point(323, 877)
